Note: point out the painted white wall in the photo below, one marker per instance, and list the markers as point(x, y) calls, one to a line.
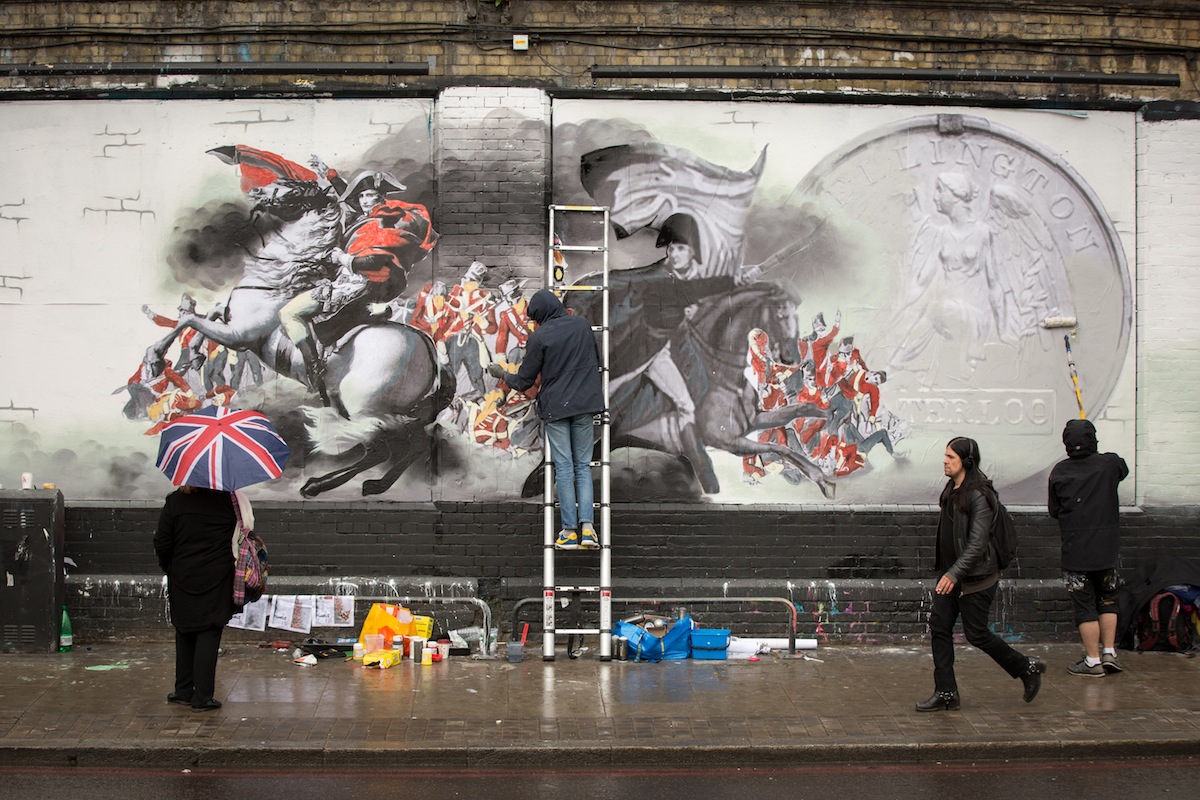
point(1168, 327)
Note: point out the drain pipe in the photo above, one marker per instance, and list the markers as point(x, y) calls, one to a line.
point(791, 607)
point(216, 68)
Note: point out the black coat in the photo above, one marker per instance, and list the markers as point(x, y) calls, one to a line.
point(193, 543)
point(974, 557)
point(1083, 498)
point(564, 352)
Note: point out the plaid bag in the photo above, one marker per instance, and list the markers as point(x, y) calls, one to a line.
point(250, 567)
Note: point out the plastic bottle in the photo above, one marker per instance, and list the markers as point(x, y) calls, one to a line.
point(66, 638)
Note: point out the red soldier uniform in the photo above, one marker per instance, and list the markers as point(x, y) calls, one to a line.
point(820, 358)
point(808, 427)
point(475, 311)
point(429, 315)
point(512, 322)
point(393, 236)
point(857, 388)
point(767, 377)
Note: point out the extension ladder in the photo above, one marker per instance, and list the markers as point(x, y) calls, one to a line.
point(551, 591)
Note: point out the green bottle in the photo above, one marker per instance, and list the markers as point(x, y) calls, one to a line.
point(65, 636)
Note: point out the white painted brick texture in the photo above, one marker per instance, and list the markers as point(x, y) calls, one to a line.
point(1168, 325)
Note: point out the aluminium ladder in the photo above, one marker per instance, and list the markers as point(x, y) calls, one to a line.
point(556, 280)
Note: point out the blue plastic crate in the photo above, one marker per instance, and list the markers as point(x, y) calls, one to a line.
point(710, 644)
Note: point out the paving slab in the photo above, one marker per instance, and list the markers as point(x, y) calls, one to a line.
point(106, 705)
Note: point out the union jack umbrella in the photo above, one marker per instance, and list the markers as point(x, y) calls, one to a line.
point(221, 448)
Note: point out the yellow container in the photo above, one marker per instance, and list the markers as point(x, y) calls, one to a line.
point(423, 626)
point(383, 659)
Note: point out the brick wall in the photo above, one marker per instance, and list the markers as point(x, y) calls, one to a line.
point(470, 42)
point(493, 164)
point(852, 574)
point(1168, 332)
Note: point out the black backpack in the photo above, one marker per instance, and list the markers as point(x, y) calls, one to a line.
point(1004, 535)
point(1165, 623)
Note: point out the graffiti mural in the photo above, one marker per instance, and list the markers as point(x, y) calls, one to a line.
point(933, 261)
point(805, 303)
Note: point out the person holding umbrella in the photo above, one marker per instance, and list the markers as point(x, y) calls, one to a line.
point(192, 543)
point(210, 455)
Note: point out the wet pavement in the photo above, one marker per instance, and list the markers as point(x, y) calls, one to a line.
point(106, 705)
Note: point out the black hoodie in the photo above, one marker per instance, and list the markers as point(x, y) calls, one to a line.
point(1083, 498)
point(564, 352)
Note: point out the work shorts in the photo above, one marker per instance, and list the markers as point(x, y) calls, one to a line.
point(1092, 593)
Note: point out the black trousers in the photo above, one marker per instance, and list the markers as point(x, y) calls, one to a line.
point(196, 663)
point(974, 609)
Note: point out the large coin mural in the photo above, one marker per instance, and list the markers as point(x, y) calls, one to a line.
point(996, 249)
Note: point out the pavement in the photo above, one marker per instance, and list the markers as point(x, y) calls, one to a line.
point(105, 705)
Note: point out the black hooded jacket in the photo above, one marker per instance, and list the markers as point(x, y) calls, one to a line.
point(1083, 498)
point(564, 352)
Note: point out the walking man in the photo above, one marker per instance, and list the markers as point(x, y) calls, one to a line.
point(1083, 498)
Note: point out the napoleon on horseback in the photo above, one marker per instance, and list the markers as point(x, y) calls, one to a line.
point(324, 257)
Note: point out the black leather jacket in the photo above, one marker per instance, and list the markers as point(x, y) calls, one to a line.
point(974, 554)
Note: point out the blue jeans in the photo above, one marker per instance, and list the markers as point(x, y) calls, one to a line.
point(571, 442)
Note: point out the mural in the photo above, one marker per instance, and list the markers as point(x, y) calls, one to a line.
point(939, 257)
point(793, 319)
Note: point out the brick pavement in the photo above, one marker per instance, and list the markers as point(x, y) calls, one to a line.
point(106, 705)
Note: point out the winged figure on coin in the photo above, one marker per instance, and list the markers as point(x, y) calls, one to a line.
point(983, 267)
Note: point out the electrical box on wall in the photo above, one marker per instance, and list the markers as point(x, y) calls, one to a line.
point(31, 582)
point(520, 41)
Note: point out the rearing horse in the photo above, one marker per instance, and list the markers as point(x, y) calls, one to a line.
point(387, 375)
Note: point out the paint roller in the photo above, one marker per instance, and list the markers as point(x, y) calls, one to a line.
point(1051, 323)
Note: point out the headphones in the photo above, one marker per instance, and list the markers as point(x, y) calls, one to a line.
point(972, 453)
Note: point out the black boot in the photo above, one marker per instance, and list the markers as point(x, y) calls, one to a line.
point(940, 701)
point(1032, 678)
point(314, 369)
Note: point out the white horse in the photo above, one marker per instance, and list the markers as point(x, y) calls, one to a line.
point(386, 376)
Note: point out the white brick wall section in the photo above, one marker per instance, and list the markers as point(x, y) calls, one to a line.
point(498, 140)
point(1168, 328)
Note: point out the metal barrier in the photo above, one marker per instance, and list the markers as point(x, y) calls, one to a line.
point(791, 608)
point(418, 599)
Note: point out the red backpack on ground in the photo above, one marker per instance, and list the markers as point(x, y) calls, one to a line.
point(1166, 623)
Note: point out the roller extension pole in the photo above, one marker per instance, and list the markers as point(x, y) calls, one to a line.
point(1074, 374)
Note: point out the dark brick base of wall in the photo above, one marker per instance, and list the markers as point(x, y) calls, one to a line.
point(851, 574)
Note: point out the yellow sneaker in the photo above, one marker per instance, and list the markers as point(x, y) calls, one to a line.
point(567, 540)
point(588, 540)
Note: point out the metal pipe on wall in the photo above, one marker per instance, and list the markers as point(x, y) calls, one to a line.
point(890, 74)
point(217, 68)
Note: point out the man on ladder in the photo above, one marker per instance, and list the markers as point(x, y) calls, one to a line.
point(564, 352)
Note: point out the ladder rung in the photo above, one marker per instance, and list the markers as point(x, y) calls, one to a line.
point(593, 631)
point(578, 208)
point(579, 248)
point(577, 588)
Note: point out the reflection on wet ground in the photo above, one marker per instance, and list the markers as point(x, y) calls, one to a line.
point(836, 700)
